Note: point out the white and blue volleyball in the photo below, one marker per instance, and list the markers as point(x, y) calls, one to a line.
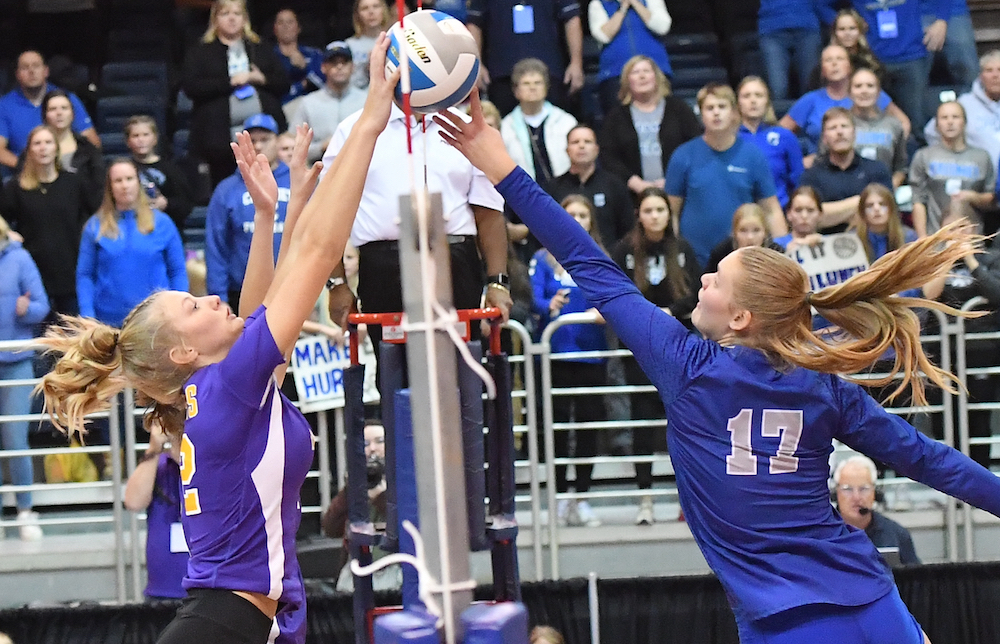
point(443, 60)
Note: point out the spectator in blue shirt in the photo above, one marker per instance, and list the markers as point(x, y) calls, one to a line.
point(789, 37)
point(302, 64)
point(229, 222)
point(806, 115)
point(709, 177)
point(128, 250)
point(781, 147)
point(21, 109)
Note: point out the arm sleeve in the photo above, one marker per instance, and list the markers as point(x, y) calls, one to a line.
point(173, 254)
point(799, 111)
point(884, 100)
point(871, 430)
point(198, 81)
point(539, 271)
point(248, 367)
point(793, 159)
point(216, 245)
point(763, 179)
point(659, 19)
point(597, 17)
point(568, 9)
point(178, 194)
point(677, 171)
point(30, 281)
point(612, 155)
point(86, 269)
point(276, 77)
point(660, 343)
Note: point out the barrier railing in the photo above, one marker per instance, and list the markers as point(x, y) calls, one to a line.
point(111, 491)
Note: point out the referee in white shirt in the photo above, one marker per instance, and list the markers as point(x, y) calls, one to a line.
point(474, 223)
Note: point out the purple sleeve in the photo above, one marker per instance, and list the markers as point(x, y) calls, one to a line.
point(248, 367)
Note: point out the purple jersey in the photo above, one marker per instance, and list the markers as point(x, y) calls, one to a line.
point(245, 454)
point(165, 569)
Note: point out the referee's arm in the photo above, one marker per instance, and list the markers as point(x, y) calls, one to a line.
point(492, 235)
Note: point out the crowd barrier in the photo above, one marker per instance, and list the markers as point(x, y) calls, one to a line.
point(532, 365)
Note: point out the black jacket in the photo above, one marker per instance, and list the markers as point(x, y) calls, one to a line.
point(206, 82)
point(620, 143)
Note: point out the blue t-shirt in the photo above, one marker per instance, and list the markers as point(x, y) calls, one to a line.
point(19, 116)
point(572, 337)
point(895, 29)
point(776, 15)
point(808, 111)
point(784, 156)
point(714, 184)
point(751, 444)
point(245, 453)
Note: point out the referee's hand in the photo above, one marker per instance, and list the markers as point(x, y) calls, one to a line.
point(342, 303)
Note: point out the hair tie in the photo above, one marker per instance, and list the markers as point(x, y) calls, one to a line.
point(809, 298)
point(115, 341)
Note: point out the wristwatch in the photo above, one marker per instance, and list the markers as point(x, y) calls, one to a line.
point(500, 279)
point(334, 282)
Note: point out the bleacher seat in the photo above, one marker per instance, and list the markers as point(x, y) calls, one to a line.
point(113, 145)
point(180, 143)
point(692, 44)
point(135, 78)
point(194, 228)
point(113, 111)
point(781, 106)
point(693, 60)
point(699, 77)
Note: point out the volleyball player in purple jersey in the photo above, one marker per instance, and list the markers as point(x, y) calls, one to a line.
point(753, 409)
point(213, 381)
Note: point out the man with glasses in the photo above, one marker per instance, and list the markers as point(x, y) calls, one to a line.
point(854, 481)
point(324, 109)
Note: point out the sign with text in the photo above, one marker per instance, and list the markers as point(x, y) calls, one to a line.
point(832, 261)
point(318, 365)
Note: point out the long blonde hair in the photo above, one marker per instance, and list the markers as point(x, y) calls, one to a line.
point(625, 92)
point(96, 361)
point(211, 34)
point(895, 233)
point(107, 214)
point(29, 178)
point(775, 290)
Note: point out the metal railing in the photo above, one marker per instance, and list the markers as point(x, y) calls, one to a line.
point(528, 428)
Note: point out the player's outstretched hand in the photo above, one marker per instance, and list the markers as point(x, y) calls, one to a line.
point(302, 176)
point(482, 145)
point(381, 86)
point(256, 172)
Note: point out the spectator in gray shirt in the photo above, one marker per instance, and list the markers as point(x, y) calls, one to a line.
point(950, 176)
point(877, 135)
point(324, 109)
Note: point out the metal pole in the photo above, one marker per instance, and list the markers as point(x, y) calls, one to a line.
point(595, 609)
point(433, 377)
point(948, 417)
point(550, 452)
point(340, 440)
point(116, 496)
point(323, 443)
point(133, 519)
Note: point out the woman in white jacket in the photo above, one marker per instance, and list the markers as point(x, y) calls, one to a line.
point(535, 131)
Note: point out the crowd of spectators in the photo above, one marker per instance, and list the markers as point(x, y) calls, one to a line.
point(669, 181)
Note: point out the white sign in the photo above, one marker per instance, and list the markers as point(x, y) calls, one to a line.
point(318, 365)
point(832, 261)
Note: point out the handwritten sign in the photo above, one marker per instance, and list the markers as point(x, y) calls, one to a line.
point(318, 365)
point(831, 261)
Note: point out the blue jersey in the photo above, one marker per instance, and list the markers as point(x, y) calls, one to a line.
point(751, 444)
point(784, 156)
point(244, 456)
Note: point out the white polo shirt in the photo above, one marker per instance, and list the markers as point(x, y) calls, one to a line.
point(461, 184)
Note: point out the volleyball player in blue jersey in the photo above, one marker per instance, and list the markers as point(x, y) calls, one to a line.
point(213, 378)
point(753, 409)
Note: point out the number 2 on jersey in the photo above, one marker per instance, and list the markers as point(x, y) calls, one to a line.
point(786, 423)
point(192, 504)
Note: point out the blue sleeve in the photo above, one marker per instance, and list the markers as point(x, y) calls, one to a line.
point(174, 254)
point(661, 344)
point(81, 120)
point(942, 9)
point(86, 269)
point(216, 244)
point(800, 110)
point(869, 429)
point(883, 100)
point(677, 170)
point(763, 180)
point(247, 368)
point(793, 159)
point(30, 281)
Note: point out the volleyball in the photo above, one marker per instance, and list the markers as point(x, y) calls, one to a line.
point(443, 60)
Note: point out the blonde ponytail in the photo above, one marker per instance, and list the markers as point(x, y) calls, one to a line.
point(866, 308)
point(97, 361)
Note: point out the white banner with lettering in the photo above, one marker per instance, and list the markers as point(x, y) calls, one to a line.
point(318, 365)
point(832, 261)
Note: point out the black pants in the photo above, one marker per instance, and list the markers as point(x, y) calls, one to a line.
point(217, 616)
point(380, 284)
point(645, 440)
point(580, 409)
